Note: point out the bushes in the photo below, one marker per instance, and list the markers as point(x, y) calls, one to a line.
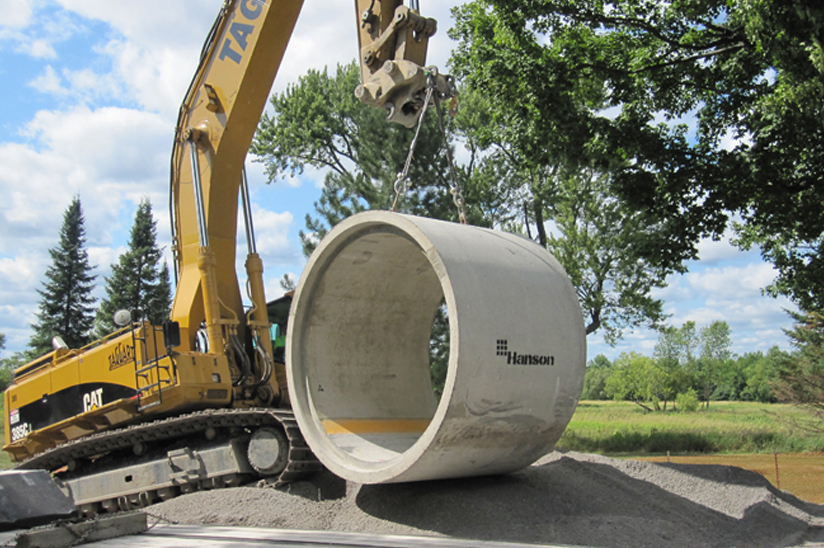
point(687, 402)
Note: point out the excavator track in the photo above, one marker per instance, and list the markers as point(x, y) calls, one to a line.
point(300, 459)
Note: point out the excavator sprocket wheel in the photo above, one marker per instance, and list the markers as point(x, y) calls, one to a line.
point(268, 451)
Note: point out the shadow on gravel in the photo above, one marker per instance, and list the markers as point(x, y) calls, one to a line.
point(573, 502)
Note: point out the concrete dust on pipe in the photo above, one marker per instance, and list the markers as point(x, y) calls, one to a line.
point(359, 340)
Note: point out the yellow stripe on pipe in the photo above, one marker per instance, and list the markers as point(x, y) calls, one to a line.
point(375, 426)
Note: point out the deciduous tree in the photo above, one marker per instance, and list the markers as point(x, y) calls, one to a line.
point(595, 378)
point(540, 122)
point(597, 239)
point(761, 374)
point(318, 123)
point(676, 346)
point(638, 379)
point(716, 351)
point(707, 108)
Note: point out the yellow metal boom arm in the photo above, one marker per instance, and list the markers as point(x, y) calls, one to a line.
point(215, 127)
point(216, 124)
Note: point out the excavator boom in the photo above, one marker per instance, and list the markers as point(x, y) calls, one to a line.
point(215, 127)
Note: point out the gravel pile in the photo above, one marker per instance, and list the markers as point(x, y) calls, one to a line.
point(566, 498)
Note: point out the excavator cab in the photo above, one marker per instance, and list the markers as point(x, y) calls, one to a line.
point(278, 311)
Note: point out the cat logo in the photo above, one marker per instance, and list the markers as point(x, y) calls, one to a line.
point(93, 400)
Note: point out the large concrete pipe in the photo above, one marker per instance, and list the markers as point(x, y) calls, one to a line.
point(359, 339)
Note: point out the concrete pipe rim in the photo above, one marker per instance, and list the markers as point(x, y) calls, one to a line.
point(358, 346)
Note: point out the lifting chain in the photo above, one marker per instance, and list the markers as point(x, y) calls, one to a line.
point(403, 182)
point(455, 185)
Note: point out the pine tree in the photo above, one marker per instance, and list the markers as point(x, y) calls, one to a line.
point(66, 301)
point(139, 281)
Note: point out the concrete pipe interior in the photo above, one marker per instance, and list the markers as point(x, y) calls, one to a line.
point(368, 344)
point(359, 361)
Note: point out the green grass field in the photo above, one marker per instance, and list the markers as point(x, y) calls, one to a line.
point(623, 428)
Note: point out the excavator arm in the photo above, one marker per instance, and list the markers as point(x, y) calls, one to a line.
point(216, 124)
point(215, 127)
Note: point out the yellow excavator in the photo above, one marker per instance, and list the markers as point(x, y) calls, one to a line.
point(199, 402)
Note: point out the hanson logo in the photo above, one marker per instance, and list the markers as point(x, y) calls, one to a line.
point(516, 358)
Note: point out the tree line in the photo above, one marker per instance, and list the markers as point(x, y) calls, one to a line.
point(689, 366)
point(693, 367)
point(139, 281)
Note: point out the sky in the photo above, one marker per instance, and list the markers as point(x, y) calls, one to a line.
point(88, 103)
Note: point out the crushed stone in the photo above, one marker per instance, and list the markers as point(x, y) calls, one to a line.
point(565, 498)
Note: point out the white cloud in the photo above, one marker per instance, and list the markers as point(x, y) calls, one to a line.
point(273, 288)
point(17, 321)
point(275, 249)
point(676, 290)
point(41, 49)
point(88, 85)
point(156, 78)
point(729, 292)
point(109, 143)
point(102, 258)
point(155, 45)
point(33, 30)
point(271, 238)
point(49, 82)
point(18, 274)
point(731, 140)
point(640, 341)
point(712, 251)
point(763, 340)
point(153, 48)
point(271, 230)
point(16, 13)
point(108, 156)
point(310, 173)
point(732, 282)
point(158, 22)
point(325, 36)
